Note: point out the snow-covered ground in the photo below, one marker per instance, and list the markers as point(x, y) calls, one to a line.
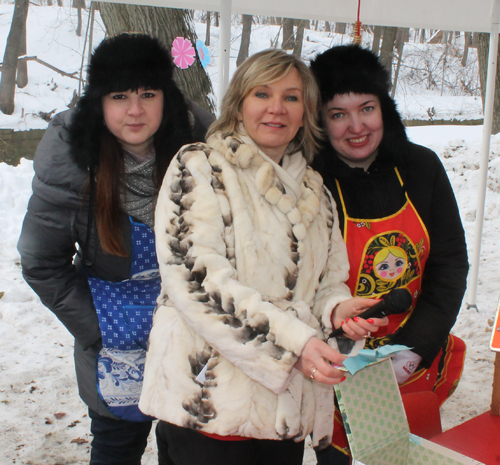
point(42, 420)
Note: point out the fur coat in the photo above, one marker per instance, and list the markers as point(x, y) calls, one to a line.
point(252, 263)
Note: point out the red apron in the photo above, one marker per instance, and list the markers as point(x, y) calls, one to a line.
point(385, 254)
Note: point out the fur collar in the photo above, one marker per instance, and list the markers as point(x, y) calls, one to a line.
point(302, 212)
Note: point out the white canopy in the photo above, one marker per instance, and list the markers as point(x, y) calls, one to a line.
point(450, 15)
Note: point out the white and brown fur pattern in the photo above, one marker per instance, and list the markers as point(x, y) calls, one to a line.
point(249, 276)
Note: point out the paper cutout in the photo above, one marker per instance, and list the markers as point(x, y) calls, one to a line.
point(183, 53)
point(203, 53)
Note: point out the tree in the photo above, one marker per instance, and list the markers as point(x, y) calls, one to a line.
point(207, 34)
point(166, 24)
point(79, 4)
point(245, 39)
point(12, 50)
point(22, 65)
point(483, 46)
point(288, 38)
point(377, 35)
point(386, 51)
point(297, 48)
point(467, 44)
point(340, 28)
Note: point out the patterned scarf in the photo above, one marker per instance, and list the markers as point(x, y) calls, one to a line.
point(138, 193)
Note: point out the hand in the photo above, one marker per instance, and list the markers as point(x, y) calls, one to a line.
point(317, 360)
point(345, 315)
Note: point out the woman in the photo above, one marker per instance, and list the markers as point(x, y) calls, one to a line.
point(253, 268)
point(97, 175)
point(398, 215)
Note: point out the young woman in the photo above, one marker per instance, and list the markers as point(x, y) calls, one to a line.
point(87, 244)
point(399, 219)
point(253, 268)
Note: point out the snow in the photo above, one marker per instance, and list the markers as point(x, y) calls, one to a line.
point(41, 416)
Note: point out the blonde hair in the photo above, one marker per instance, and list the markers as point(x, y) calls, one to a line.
point(384, 253)
point(264, 68)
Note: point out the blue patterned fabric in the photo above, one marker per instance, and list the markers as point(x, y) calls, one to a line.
point(125, 311)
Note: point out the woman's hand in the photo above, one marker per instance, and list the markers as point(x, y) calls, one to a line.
point(346, 315)
point(317, 360)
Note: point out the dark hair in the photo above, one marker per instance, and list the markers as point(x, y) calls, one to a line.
point(352, 69)
point(120, 63)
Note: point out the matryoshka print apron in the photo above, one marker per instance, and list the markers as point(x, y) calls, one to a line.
point(385, 254)
point(125, 311)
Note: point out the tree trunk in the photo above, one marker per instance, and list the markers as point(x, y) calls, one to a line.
point(79, 4)
point(216, 19)
point(22, 66)
point(245, 39)
point(207, 33)
point(297, 48)
point(437, 38)
point(386, 51)
point(12, 48)
point(377, 34)
point(340, 28)
point(422, 36)
point(49, 3)
point(483, 42)
point(166, 24)
point(400, 42)
point(288, 39)
point(467, 44)
point(327, 27)
point(59, 2)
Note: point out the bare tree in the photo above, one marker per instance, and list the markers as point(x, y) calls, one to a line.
point(467, 44)
point(245, 39)
point(401, 33)
point(297, 48)
point(288, 38)
point(340, 28)
point(166, 24)
point(79, 4)
point(483, 46)
point(377, 35)
point(207, 34)
point(22, 65)
point(386, 51)
point(327, 27)
point(12, 50)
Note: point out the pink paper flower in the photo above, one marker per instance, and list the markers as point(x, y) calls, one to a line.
point(182, 52)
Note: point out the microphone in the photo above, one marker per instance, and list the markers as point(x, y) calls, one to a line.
point(396, 301)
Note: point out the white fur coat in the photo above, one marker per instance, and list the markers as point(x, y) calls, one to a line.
point(252, 263)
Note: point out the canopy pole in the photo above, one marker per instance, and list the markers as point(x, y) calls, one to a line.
point(224, 50)
point(485, 151)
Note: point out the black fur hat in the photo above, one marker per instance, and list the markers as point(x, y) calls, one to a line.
point(351, 68)
point(127, 61)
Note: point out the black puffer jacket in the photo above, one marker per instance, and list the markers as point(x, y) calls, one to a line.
point(54, 232)
point(378, 193)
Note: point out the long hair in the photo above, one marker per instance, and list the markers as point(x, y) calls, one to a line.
point(121, 63)
point(264, 68)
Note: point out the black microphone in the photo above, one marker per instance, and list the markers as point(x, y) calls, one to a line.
point(396, 301)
